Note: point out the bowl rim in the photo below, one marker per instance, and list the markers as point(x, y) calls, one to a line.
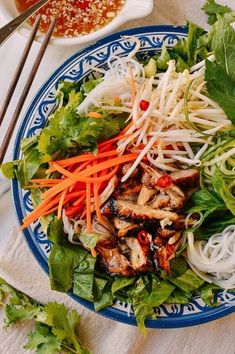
point(131, 10)
point(110, 312)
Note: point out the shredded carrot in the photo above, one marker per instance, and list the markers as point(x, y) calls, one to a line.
point(86, 158)
point(97, 199)
point(69, 182)
point(93, 252)
point(79, 200)
point(94, 115)
point(61, 203)
point(113, 140)
point(88, 207)
point(75, 208)
point(83, 176)
point(60, 193)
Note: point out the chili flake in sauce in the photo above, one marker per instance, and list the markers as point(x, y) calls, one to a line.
point(74, 17)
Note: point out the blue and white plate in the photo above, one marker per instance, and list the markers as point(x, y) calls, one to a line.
point(75, 69)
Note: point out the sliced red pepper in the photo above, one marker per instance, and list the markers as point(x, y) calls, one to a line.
point(143, 238)
point(164, 181)
point(144, 105)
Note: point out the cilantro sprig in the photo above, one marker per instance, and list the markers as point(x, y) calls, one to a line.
point(55, 325)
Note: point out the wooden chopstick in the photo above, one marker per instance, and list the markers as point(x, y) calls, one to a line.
point(19, 69)
point(25, 91)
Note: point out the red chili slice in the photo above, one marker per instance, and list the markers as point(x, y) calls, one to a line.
point(144, 105)
point(164, 181)
point(143, 238)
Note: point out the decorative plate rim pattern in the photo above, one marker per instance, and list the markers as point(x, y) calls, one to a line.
point(175, 318)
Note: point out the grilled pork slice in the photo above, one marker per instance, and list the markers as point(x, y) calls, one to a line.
point(177, 197)
point(161, 259)
point(150, 175)
point(126, 228)
point(136, 213)
point(129, 190)
point(185, 178)
point(161, 201)
point(139, 260)
point(165, 233)
point(115, 262)
point(145, 194)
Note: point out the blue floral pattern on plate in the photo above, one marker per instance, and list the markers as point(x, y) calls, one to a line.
point(77, 68)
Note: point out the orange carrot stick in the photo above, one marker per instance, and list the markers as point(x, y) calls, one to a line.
point(61, 203)
point(88, 207)
point(95, 115)
point(84, 175)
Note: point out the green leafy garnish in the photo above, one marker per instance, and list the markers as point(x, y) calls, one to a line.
point(55, 325)
point(42, 340)
point(214, 10)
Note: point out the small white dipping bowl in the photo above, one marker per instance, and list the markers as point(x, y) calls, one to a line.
point(132, 9)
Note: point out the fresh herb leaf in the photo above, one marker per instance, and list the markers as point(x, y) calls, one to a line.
point(55, 325)
point(188, 49)
point(8, 169)
point(64, 324)
point(222, 187)
point(42, 340)
point(214, 224)
point(56, 232)
point(163, 59)
point(213, 10)
point(20, 307)
point(223, 42)
point(89, 85)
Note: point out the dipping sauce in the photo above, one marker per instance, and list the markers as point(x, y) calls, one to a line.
point(74, 17)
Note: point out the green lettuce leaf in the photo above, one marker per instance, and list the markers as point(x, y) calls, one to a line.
point(84, 278)
point(142, 310)
point(161, 290)
point(178, 266)
point(63, 261)
point(121, 283)
point(106, 298)
point(187, 282)
point(179, 297)
point(88, 240)
point(207, 292)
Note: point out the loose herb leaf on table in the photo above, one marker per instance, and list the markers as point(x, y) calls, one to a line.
point(55, 325)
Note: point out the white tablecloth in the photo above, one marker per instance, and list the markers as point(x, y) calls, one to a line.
point(20, 269)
